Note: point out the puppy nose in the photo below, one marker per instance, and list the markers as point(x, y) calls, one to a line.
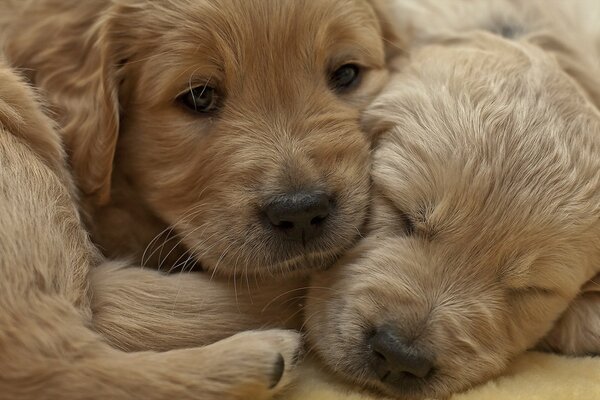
point(394, 361)
point(299, 216)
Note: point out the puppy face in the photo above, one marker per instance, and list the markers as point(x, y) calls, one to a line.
point(239, 125)
point(485, 222)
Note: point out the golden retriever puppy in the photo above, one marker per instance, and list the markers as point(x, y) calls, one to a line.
point(571, 33)
point(47, 349)
point(485, 223)
point(219, 132)
point(215, 132)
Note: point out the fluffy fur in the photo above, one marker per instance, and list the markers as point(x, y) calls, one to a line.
point(485, 224)
point(47, 347)
point(173, 188)
point(149, 171)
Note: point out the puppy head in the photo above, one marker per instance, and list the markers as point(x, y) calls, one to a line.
point(239, 124)
point(485, 222)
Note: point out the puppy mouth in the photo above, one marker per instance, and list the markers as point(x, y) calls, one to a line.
point(308, 262)
point(370, 368)
point(273, 248)
point(287, 259)
point(294, 266)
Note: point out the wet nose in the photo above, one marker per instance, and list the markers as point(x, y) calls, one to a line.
point(299, 216)
point(394, 361)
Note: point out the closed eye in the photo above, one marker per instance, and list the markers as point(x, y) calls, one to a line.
point(533, 291)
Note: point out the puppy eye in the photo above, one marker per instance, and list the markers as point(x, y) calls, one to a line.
point(201, 99)
point(345, 77)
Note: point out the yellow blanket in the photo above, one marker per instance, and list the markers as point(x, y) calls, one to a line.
point(533, 376)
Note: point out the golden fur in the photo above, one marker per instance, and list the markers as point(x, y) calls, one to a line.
point(153, 176)
point(47, 347)
point(485, 226)
point(172, 188)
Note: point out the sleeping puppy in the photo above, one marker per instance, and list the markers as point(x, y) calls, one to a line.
point(485, 223)
point(47, 347)
point(566, 31)
point(218, 133)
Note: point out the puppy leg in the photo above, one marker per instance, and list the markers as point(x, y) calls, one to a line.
point(47, 347)
point(142, 309)
point(578, 330)
point(46, 352)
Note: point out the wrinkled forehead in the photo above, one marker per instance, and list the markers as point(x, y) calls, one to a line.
point(240, 35)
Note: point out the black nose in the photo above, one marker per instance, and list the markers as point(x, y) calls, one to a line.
point(299, 216)
point(394, 361)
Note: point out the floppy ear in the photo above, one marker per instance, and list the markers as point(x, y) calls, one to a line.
point(90, 122)
point(76, 69)
point(89, 100)
point(576, 332)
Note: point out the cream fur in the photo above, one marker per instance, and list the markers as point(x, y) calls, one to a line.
point(485, 227)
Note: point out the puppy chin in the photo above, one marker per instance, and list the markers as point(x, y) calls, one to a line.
point(295, 267)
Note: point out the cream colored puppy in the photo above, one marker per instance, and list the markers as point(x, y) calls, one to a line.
point(485, 224)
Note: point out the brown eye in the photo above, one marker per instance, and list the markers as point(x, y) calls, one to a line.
point(201, 99)
point(345, 77)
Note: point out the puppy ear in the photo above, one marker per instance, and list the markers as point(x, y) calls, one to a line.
point(576, 332)
point(77, 73)
point(90, 123)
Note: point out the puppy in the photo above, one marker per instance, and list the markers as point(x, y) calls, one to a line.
point(47, 349)
point(569, 32)
point(214, 132)
point(485, 223)
point(232, 125)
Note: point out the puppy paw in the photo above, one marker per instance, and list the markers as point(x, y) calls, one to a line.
point(577, 332)
point(257, 364)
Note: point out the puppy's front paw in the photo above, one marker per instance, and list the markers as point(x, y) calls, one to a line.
point(577, 332)
point(257, 364)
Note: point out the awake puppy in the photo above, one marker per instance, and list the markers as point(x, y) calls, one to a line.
point(217, 132)
point(47, 347)
point(485, 223)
